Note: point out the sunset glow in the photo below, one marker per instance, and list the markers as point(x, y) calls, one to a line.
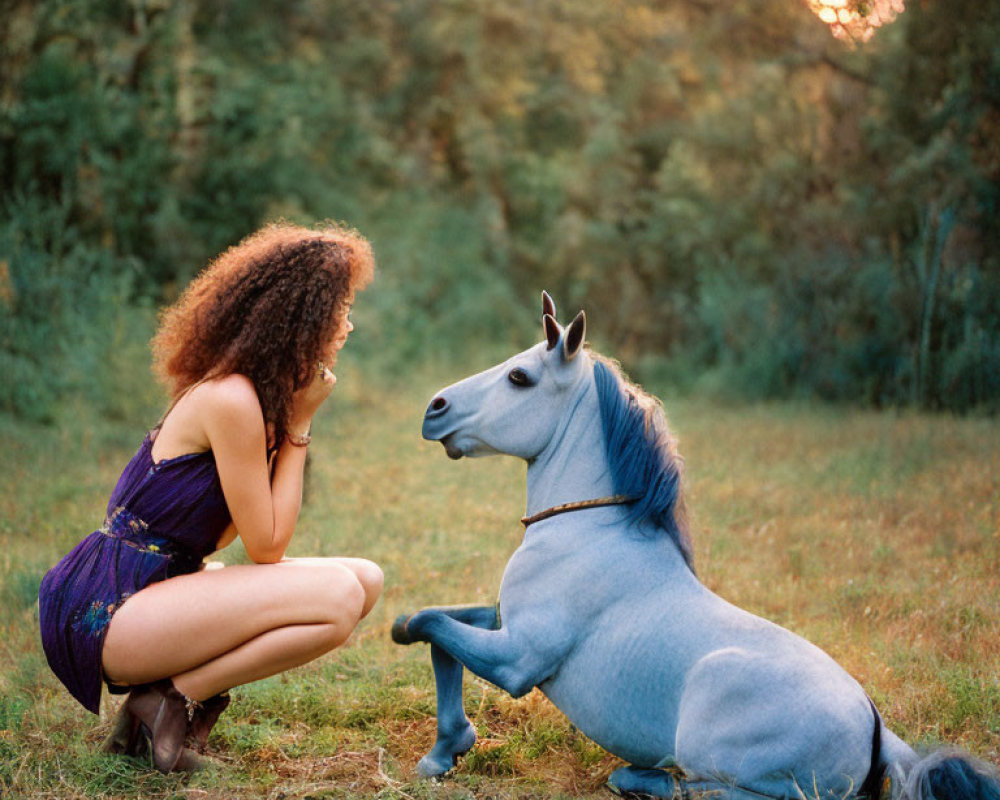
point(856, 20)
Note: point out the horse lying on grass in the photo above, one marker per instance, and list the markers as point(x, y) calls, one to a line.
point(601, 609)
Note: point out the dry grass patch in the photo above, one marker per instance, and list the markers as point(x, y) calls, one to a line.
point(875, 535)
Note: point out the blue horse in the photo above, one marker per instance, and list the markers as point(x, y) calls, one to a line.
point(601, 609)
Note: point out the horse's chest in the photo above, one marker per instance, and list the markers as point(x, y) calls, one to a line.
point(621, 691)
point(618, 681)
point(558, 578)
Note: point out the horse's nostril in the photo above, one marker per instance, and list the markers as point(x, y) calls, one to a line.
point(438, 403)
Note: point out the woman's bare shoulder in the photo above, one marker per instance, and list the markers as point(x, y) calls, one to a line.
point(230, 399)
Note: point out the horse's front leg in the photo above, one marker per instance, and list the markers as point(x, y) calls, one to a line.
point(516, 660)
point(455, 732)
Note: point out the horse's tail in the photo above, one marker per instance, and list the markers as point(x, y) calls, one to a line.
point(950, 775)
point(942, 775)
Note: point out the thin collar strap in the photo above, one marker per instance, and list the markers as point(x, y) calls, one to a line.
point(614, 500)
point(176, 400)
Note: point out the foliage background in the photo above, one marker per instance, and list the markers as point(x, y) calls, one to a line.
point(747, 205)
point(748, 209)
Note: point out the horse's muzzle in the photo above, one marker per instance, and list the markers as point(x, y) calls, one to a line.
point(437, 407)
point(453, 452)
point(436, 427)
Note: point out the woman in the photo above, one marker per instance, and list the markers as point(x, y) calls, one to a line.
point(246, 354)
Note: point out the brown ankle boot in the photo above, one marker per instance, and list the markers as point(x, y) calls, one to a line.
point(159, 717)
point(121, 728)
point(190, 761)
point(123, 738)
point(206, 714)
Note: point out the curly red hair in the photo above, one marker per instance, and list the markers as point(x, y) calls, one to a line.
point(266, 308)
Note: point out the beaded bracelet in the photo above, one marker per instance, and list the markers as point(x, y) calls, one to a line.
point(299, 440)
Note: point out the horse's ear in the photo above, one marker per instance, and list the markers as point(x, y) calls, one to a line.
point(575, 334)
point(552, 330)
point(548, 307)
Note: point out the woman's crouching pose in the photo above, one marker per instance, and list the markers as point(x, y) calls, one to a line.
point(246, 354)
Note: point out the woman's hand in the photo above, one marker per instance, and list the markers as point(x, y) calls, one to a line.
point(307, 400)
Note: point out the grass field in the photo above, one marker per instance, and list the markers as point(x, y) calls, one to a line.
point(875, 535)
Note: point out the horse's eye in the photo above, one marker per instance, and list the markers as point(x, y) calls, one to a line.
point(519, 377)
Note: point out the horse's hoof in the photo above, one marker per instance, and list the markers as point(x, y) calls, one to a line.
point(399, 633)
point(429, 767)
point(443, 758)
point(466, 741)
point(628, 795)
point(636, 783)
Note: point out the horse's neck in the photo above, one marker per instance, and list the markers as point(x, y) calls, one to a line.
point(573, 466)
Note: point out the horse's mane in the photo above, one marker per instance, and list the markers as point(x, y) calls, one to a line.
point(642, 453)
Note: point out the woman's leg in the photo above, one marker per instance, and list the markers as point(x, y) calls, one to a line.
point(219, 628)
point(367, 572)
point(265, 655)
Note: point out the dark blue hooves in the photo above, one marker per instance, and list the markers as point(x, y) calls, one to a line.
point(446, 751)
point(399, 633)
point(638, 782)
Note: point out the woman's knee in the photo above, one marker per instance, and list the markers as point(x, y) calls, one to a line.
point(370, 577)
point(346, 597)
point(343, 587)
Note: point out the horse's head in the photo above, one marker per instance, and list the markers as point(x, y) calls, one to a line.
point(588, 431)
point(515, 407)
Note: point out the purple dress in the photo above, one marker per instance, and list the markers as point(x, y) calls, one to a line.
point(162, 520)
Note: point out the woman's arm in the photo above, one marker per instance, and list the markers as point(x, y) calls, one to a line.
point(227, 537)
point(264, 509)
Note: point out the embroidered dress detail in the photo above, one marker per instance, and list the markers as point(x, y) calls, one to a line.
point(129, 530)
point(162, 520)
point(94, 619)
point(123, 524)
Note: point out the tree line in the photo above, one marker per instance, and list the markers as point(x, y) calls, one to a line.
point(742, 202)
